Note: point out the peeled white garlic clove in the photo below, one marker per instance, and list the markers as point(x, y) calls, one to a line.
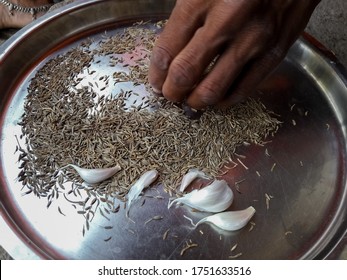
point(145, 180)
point(190, 177)
point(231, 220)
point(214, 198)
point(95, 176)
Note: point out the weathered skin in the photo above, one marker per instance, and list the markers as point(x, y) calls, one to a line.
point(249, 37)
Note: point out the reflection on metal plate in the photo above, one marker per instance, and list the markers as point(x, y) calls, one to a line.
point(297, 182)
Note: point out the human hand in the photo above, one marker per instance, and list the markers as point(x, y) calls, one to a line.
point(246, 38)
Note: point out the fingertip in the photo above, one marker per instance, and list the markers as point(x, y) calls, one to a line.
point(158, 68)
point(172, 93)
point(161, 58)
point(156, 91)
point(154, 88)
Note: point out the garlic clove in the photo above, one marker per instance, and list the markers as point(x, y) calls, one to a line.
point(145, 181)
point(190, 177)
point(214, 198)
point(231, 220)
point(96, 175)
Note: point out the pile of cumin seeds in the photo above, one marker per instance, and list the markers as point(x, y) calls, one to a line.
point(70, 118)
point(135, 44)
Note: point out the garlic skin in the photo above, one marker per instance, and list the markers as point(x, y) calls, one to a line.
point(145, 180)
point(230, 220)
point(95, 176)
point(190, 177)
point(214, 198)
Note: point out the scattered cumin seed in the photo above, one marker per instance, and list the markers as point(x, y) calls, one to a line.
point(189, 219)
point(166, 233)
point(242, 164)
point(273, 167)
point(59, 210)
point(235, 256)
point(188, 247)
point(267, 200)
point(130, 231)
point(155, 218)
point(237, 187)
point(252, 224)
point(234, 247)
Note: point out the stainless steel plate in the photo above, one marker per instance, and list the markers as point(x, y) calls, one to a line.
point(306, 217)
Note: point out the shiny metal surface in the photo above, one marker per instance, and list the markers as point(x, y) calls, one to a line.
point(306, 217)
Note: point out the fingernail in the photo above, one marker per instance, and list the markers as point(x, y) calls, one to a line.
point(156, 91)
